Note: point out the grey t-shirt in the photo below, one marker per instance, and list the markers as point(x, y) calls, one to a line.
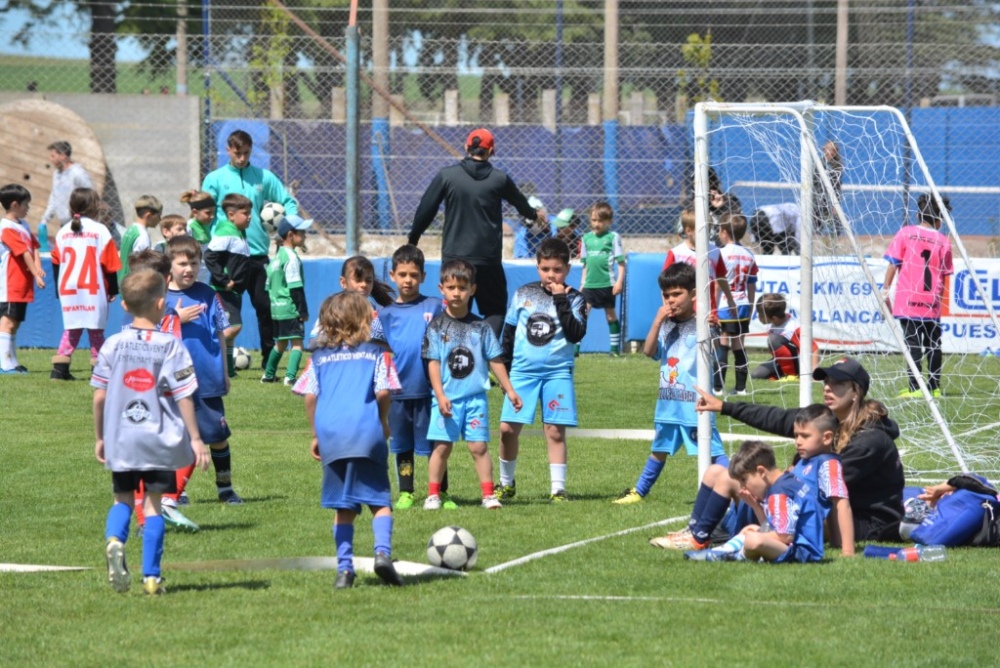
point(144, 372)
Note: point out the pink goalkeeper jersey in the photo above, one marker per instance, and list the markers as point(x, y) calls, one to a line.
point(923, 258)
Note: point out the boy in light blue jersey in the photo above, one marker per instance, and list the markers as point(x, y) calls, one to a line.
point(673, 341)
point(204, 339)
point(404, 324)
point(461, 349)
point(544, 322)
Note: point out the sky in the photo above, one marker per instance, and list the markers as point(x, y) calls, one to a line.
point(68, 45)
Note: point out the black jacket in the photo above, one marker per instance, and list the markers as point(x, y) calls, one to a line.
point(872, 468)
point(472, 192)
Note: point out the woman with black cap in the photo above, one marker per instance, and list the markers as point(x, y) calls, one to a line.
point(865, 442)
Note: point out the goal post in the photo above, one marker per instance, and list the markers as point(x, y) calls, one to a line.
point(776, 148)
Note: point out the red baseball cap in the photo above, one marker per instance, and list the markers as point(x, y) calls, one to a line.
point(484, 136)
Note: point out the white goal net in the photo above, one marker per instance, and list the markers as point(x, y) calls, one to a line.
point(825, 190)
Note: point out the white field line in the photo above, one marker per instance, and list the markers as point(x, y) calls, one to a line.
point(362, 564)
point(39, 568)
point(718, 601)
point(988, 427)
point(647, 435)
point(569, 546)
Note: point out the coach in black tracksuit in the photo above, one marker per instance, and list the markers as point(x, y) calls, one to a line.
point(473, 192)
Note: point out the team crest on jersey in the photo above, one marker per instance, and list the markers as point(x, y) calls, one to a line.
point(428, 316)
point(139, 380)
point(137, 412)
point(672, 371)
point(461, 362)
point(541, 329)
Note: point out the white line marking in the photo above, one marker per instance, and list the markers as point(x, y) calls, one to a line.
point(988, 427)
point(562, 548)
point(648, 434)
point(715, 601)
point(39, 568)
point(365, 564)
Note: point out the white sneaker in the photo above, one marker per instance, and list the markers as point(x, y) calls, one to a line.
point(432, 502)
point(491, 502)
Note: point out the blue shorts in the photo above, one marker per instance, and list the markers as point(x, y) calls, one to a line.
point(470, 420)
point(349, 484)
point(739, 516)
point(408, 422)
point(670, 437)
point(735, 323)
point(211, 416)
point(557, 395)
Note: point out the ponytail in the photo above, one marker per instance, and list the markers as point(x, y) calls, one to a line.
point(381, 293)
point(83, 202)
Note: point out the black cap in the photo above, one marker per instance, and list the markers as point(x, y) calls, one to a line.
point(846, 368)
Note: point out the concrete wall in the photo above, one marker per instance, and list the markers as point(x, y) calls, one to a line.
point(151, 142)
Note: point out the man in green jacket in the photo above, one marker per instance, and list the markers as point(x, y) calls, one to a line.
point(260, 185)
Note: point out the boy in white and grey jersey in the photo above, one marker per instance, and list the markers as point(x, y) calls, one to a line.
point(143, 417)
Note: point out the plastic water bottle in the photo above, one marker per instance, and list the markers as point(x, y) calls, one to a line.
point(915, 553)
point(43, 237)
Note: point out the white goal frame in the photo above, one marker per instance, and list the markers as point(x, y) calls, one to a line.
point(802, 113)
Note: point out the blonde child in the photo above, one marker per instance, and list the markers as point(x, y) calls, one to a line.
point(170, 226)
point(600, 250)
point(136, 237)
point(84, 266)
point(346, 391)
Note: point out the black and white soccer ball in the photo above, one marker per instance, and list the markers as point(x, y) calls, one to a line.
point(270, 216)
point(452, 547)
point(241, 358)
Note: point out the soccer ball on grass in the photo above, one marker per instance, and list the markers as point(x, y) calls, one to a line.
point(241, 358)
point(270, 216)
point(452, 547)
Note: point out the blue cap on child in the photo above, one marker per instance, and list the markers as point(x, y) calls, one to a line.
point(292, 222)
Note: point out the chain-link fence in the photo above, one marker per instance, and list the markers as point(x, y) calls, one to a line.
point(581, 111)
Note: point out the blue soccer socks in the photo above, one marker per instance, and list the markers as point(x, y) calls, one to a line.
point(650, 473)
point(117, 525)
point(152, 545)
point(382, 528)
point(343, 538)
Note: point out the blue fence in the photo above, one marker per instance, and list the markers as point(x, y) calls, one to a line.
point(43, 326)
point(642, 168)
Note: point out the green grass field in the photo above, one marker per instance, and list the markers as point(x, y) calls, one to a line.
point(615, 601)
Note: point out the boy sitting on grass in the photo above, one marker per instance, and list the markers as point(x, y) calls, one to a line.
point(790, 520)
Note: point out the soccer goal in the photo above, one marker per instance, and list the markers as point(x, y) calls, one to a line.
point(853, 176)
